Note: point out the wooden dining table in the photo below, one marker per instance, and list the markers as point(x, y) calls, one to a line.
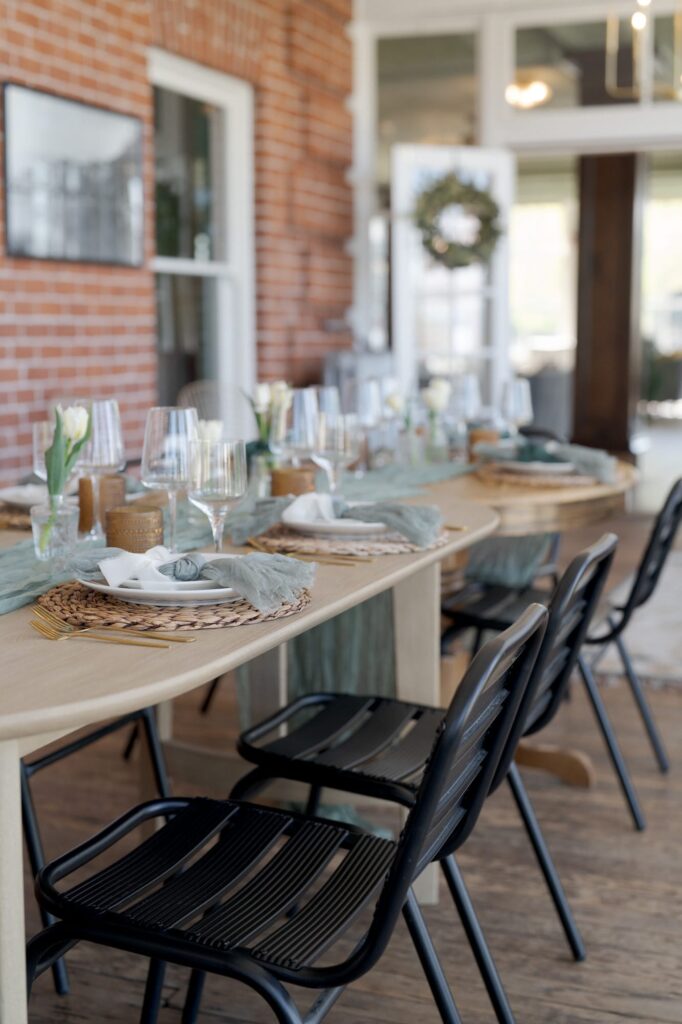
point(49, 689)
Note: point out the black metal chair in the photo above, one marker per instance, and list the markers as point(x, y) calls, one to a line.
point(258, 895)
point(146, 721)
point(369, 746)
point(493, 609)
point(643, 586)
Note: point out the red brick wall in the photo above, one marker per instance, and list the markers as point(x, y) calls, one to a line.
point(70, 329)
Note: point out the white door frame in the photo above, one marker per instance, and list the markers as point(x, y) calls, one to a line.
point(235, 275)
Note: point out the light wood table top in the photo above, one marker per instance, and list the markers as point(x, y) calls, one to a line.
point(48, 687)
point(527, 509)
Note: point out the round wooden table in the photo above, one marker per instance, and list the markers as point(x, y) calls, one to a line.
point(525, 507)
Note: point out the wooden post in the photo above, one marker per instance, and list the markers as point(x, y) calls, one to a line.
point(607, 357)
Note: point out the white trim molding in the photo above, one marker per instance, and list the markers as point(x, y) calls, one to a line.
point(235, 272)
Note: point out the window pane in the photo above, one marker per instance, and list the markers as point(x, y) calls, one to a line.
point(186, 332)
point(186, 153)
point(569, 63)
point(543, 264)
point(427, 92)
point(668, 65)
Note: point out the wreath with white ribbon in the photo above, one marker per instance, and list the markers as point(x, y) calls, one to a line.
point(481, 224)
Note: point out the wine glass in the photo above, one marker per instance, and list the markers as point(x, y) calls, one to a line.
point(337, 444)
point(103, 453)
point(517, 403)
point(43, 433)
point(217, 480)
point(165, 454)
point(292, 430)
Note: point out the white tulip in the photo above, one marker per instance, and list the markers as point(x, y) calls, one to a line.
point(396, 403)
point(210, 430)
point(74, 423)
point(435, 398)
point(261, 397)
point(281, 395)
point(441, 385)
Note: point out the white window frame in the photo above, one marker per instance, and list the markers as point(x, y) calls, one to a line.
point(235, 275)
point(643, 126)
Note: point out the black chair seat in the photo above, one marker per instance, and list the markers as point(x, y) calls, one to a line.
point(225, 876)
point(491, 607)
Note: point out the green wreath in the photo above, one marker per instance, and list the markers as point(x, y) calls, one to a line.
point(447, 191)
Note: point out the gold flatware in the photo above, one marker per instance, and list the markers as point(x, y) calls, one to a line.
point(455, 529)
point(148, 634)
point(50, 633)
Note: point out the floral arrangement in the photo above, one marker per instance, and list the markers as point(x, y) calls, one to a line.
point(267, 402)
point(71, 432)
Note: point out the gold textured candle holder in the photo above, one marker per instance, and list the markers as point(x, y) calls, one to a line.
point(292, 480)
point(112, 492)
point(134, 527)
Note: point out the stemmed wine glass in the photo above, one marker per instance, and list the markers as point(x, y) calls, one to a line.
point(103, 453)
point(217, 480)
point(292, 432)
point(517, 403)
point(165, 454)
point(43, 434)
point(337, 444)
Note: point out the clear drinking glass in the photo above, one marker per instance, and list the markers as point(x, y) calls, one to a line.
point(292, 432)
point(103, 453)
point(337, 444)
point(166, 457)
point(43, 432)
point(217, 480)
point(517, 404)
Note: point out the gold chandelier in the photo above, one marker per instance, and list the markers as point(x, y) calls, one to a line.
point(640, 25)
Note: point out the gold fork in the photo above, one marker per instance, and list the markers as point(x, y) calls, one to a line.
point(50, 633)
point(65, 627)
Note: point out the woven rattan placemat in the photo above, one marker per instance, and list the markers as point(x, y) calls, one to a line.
point(14, 518)
point(278, 538)
point(497, 474)
point(80, 606)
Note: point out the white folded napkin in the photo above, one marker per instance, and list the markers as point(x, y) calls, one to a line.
point(310, 508)
point(143, 567)
point(317, 508)
point(24, 495)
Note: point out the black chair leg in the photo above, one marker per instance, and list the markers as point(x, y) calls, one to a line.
point(612, 744)
point(208, 699)
point(190, 1010)
point(130, 745)
point(36, 857)
point(428, 958)
point(153, 992)
point(148, 719)
point(643, 706)
point(545, 861)
point(313, 804)
point(478, 640)
point(479, 946)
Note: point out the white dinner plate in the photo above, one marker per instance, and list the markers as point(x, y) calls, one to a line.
point(164, 597)
point(540, 468)
point(337, 528)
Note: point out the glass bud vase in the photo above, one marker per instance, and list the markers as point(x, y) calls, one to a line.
point(55, 531)
point(437, 440)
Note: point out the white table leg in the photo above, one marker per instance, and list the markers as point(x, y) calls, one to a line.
point(12, 930)
point(416, 614)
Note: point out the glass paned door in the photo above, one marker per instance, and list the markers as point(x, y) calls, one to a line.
point(449, 322)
